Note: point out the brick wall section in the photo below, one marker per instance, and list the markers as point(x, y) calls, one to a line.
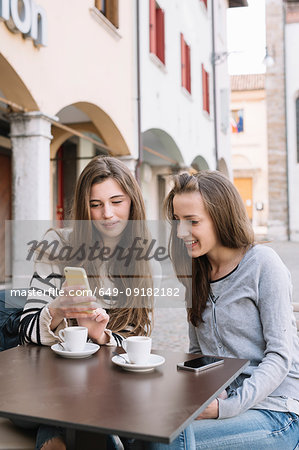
point(292, 12)
point(277, 152)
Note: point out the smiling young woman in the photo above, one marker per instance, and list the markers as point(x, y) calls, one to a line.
point(240, 306)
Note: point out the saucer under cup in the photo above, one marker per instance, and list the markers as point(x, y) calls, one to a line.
point(89, 349)
point(153, 362)
point(74, 338)
point(138, 349)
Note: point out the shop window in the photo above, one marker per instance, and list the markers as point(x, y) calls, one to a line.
point(185, 65)
point(157, 31)
point(297, 122)
point(205, 90)
point(109, 8)
point(237, 121)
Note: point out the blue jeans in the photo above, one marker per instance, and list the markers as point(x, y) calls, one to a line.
point(44, 432)
point(256, 429)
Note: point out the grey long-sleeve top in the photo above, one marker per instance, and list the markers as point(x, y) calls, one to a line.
point(249, 315)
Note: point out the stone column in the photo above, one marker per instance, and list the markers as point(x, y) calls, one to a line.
point(276, 121)
point(129, 162)
point(85, 150)
point(30, 137)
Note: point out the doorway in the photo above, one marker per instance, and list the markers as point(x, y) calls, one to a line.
point(244, 186)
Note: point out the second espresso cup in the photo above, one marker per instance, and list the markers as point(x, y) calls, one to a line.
point(74, 338)
point(138, 349)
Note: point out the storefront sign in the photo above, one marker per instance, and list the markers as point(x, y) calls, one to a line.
point(26, 17)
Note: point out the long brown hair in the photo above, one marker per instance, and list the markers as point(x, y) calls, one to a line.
point(231, 223)
point(133, 314)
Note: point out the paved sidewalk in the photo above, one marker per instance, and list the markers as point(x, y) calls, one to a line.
point(289, 253)
point(170, 325)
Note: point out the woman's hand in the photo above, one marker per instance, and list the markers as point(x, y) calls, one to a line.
point(96, 324)
point(70, 306)
point(212, 411)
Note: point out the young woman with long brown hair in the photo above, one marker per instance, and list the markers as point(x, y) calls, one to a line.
point(108, 213)
point(239, 305)
point(108, 210)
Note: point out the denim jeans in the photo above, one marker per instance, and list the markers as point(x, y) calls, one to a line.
point(253, 430)
point(44, 433)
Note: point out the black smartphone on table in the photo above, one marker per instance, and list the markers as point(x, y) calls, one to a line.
point(201, 363)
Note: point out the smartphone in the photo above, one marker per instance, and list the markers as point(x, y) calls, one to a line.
point(201, 363)
point(76, 276)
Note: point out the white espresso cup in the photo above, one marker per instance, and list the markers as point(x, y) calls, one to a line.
point(74, 338)
point(138, 349)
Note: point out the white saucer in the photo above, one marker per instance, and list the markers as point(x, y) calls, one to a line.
point(89, 349)
point(154, 361)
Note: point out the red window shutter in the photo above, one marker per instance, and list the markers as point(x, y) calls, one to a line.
point(183, 62)
point(205, 90)
point(188, 68)
point(160, 34)
point(152, 26)
point(204, 97)
point(208, 92)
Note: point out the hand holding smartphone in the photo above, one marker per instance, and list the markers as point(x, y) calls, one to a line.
point(201, 363)
point(76, 276)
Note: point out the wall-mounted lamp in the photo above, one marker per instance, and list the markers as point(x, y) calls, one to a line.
point(269, 58)
point(217, 58)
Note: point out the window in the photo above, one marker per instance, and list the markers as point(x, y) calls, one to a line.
point(205, 90)
point(297, 121)
point(109, 8)
point(157, 38)
point(237, 121)
point(185, 65)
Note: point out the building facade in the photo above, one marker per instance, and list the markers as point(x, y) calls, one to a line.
point(73, 67)
point(98, 78)
point(184, 92)
point(282, 88)
point(250, 146)
point(292, 113)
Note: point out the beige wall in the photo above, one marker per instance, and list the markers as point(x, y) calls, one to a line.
point(84, 61)
point(249, 150)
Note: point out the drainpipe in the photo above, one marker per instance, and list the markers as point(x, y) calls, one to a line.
point(286, 122)
point(213, 60)
point(140, 140)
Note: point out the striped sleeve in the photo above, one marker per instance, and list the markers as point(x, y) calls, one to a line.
point(36, 318)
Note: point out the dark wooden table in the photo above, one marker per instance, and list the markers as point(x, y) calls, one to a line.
point(95, 395)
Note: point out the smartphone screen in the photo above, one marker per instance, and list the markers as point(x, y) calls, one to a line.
point(202, 361)
point(76, 276)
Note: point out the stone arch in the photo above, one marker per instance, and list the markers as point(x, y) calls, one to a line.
point(162, 143)
point(241, 162)
point(222, 166)
point(13, 88)
point(89, 118)
point(199, 163)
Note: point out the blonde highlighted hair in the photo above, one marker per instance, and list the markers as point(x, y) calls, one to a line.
point(232, 226)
